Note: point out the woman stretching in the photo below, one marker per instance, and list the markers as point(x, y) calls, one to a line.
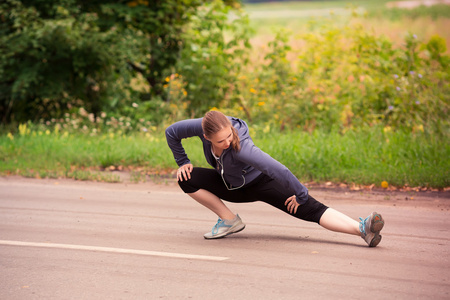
point(243, 173)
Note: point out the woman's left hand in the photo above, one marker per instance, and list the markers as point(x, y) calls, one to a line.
point(292, 204)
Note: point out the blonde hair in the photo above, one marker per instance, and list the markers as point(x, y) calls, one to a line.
point(214, 121)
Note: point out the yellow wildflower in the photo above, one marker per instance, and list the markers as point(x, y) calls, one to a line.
point(23, 129)
point(10, 136)
point(253, 91)
point(261, 103)
point(418, 128)
point(384, 184)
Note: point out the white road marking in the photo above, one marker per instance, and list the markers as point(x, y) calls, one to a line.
point(112, 250)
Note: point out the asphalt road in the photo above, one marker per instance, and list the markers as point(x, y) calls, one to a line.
point(79, 240)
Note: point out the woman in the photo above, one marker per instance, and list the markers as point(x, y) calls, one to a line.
point(243, 173)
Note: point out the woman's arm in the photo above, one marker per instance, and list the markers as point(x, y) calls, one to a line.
point(181, 130)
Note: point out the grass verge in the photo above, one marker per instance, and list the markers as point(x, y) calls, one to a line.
point(362, 157)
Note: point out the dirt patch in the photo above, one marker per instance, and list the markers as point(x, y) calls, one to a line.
point(423, 200)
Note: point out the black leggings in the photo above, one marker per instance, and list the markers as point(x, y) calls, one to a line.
point(263, 188)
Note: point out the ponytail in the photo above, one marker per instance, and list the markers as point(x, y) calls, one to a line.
point(236, 142)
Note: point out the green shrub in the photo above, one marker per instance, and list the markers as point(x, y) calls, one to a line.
point(345, 77)
point(54, 59)
point(216, 50)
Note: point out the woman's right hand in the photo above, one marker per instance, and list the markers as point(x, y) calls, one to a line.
point(184, 171)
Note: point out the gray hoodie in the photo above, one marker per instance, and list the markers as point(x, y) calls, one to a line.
point(237, 168)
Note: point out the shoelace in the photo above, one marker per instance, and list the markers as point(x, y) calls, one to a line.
point(362, 224)
point(217, 226)
point(220, 223)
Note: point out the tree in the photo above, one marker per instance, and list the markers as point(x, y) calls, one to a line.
point(156, 25)
point(57, 54)
point(215, 49)
point(53, 57)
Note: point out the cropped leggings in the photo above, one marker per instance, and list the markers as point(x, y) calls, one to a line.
point(263, 188)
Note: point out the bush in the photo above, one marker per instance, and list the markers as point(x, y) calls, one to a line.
point(216, 49)
point(341, 77)
point(53, 60)
point(344, 77)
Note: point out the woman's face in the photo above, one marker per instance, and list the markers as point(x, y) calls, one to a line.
point(222, 139)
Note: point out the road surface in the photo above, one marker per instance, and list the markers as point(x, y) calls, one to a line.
point(61, 239)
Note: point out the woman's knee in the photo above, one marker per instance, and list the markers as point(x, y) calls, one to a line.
point(187, 187)
point(311, 211)
point(198, 178)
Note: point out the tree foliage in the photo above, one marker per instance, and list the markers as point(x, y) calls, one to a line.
point(215, 51)
point(53, 56)
point(189, 56)
point(158, 25)
point(58, 54)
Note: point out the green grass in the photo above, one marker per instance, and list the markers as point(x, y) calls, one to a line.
point(78, 156)
point(362, 157)
point(365, 157)
point(434, 12)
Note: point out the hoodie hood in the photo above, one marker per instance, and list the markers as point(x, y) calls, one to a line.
point(241, 128)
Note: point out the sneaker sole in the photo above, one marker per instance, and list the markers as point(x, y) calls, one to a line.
point(377, 223)
point(232, 230)
point(376, 226)
point(375, 241)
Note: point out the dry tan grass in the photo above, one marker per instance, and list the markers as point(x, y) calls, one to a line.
point(396, 31)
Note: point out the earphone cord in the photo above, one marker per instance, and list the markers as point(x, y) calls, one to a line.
point(221, 174)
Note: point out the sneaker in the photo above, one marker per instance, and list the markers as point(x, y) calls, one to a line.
point(225, 227)
point(370, 228)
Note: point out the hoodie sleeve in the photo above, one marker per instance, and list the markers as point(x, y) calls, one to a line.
point(181, 130)
point(262, 161)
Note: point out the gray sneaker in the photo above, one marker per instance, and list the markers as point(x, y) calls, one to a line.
point(370, 229)
point(225, 227)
